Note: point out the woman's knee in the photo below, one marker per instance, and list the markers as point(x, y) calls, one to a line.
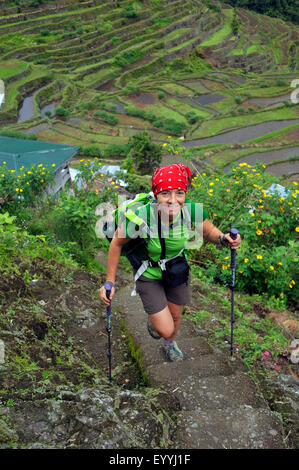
point(163, 323)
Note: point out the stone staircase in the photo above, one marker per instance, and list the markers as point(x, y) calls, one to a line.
point(220, 405)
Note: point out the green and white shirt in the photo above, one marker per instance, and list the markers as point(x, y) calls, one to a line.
point(177, 234)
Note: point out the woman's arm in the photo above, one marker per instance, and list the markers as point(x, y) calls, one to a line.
point(214, 235)
point(118, 241)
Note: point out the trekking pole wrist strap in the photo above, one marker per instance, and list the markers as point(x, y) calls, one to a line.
point(222, 241)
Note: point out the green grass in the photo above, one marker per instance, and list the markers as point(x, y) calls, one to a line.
point(9, 68)
point(220, 35)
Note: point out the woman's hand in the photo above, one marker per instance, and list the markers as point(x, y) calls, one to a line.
point(103, 297)
point(234, 244)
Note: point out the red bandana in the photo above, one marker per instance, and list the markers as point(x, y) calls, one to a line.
point(175, 176)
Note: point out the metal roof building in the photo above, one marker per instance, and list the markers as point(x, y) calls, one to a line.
point(19, 153)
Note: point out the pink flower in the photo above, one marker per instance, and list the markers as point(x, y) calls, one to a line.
point(266, 354)
point(277, 367)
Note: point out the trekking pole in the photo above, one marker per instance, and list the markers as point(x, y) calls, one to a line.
point(233, 234)
point(108, 287)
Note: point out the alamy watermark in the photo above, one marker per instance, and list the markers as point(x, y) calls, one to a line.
point(2, 352)
point(2, 92)
point(294, 351)
point(294, 84)
point(145, 225)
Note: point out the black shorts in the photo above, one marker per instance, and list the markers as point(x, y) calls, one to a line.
point(155, 296)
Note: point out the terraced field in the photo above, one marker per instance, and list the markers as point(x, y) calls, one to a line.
point(97, 72)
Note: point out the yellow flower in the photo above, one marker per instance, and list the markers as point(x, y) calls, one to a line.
point(280, 263)
point(295, 183)
point(4, 163)
point(42, 181)
point(53, 164)
point(293, 282)
point(21, 190)
point(215, 215)
point(241, 272)
point(17, 189)
point(297, 229)
point(259, 257)
point(164, 145)
point(204, 174)
point(228, 190)
point(211, 184)
point(227, 257)
point(290, 286)
point(272, 268)
point(252, 213)
point(246, 260)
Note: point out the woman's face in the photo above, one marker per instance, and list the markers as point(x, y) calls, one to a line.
point(171, 202)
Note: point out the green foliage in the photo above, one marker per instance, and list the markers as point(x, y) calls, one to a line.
point(284, 9)
point(91, 151)
point(116, 150)
point(267, 260)
point(145, 154)
point(23, 187)
point(235, 24)
point(109, 118)
point(128, 57)
point(192, 117)
point(170, 125)
point(61, 111)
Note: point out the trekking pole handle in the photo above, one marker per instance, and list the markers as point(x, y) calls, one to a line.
point(233, 234)
point(108, 287)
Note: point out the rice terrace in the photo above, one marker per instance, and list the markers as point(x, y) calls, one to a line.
point(96, 72)
point(209, 83)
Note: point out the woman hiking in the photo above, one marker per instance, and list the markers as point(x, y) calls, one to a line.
point(165, 292)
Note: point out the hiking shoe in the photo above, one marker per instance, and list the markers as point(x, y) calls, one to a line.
point(173, 353)
point(152, 331)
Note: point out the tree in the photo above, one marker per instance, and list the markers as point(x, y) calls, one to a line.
point(146, 154)
point(235, 25)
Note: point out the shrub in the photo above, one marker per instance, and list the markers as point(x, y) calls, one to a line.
point(145, 154)
point(61, 111)
point(109, 118)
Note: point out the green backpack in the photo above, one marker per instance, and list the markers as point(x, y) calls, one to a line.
point(135, 249)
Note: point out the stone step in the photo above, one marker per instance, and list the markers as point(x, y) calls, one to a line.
point(152, 350)
point(218, 392)
point(230, 428)
point(173, 374)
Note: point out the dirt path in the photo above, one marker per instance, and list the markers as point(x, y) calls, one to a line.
point(220, 406)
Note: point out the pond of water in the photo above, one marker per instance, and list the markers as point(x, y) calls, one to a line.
point(27, 109)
